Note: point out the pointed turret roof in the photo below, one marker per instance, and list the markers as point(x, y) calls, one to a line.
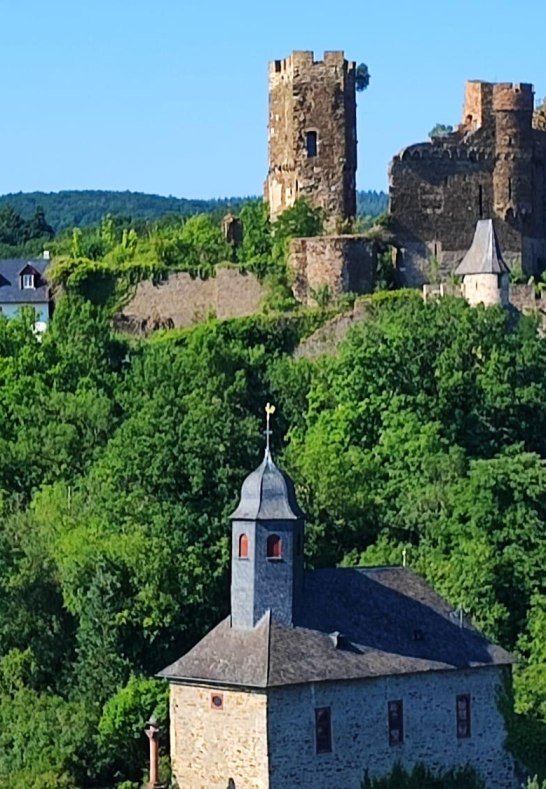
point(484, 256)
point(267, 494)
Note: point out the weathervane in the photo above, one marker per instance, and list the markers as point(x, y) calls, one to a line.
point(269, 410)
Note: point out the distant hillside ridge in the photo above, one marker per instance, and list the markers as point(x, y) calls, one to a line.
point(87, 207)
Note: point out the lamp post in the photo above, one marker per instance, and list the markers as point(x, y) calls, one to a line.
point(152, 732)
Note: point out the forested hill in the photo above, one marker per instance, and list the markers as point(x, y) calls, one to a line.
point(88, 207)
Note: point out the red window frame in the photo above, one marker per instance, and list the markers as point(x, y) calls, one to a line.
point(323, 729)
point(395, 712)
point(243, 546)
point(462, 710)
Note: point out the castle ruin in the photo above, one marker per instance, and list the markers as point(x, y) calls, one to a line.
point(492, 166)
point(312, 134)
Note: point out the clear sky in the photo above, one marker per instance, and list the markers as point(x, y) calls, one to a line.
point(171, 96)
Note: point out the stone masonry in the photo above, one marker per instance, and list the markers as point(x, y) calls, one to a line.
point(236, 734)
point(265, 739)
point(312, 134)
point(181, 301)
point(340, 264)
point(492, 166)
point(360, 733)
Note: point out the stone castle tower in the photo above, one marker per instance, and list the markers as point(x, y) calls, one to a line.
point(493, 166)
point(312, 134)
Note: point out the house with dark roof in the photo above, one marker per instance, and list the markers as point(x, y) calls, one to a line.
point(316, 677)
point(23, 283)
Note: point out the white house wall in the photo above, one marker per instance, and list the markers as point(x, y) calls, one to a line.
point(12, 310)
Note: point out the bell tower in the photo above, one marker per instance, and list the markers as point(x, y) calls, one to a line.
point(266, 546)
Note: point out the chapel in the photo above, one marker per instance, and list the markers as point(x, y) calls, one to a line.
point(316, 677)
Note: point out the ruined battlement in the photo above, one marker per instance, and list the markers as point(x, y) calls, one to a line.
point(305, 59)
point(478, 104)
point(513, 97)
point(493, 166)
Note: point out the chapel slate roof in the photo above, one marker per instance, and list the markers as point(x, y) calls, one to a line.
point(10, 282)
point(385, 621)
point(484, 256)
point(267, 494)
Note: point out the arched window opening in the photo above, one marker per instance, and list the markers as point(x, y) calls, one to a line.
point(243, 546)
point(274, 546)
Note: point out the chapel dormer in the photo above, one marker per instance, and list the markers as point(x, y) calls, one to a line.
point(267, 548)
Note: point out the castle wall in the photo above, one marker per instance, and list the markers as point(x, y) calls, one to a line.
point(494, 165)
point(209, 746)
point(339, 263)
point(181, 301)
point(309, 98)
point(360, 731)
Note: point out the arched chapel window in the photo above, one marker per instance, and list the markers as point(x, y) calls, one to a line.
point(243, 546)
point(274, 546)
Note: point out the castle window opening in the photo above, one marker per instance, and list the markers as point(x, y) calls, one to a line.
point(463, 716)
point(278, 66)
point(311, 143)
point(509, 188)
point(243, 546)
point(274, 547)
point(323, 730)
point(480, 201)
point(396, 722)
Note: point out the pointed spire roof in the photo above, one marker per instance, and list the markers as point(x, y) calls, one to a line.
point(267, 494)
point(484, 256)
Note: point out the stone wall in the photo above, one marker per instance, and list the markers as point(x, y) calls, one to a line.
point(309, 98)
point(339, 264)
point(209, 745)
point(493, 165)
point(181, 301)
point(360, 731)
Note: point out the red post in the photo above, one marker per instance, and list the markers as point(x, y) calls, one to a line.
point(152, 732)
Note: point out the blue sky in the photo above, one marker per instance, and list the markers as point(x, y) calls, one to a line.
point(171, 96)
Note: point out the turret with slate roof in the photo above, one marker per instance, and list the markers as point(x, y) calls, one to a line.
point(484, 271)
point(267, 546)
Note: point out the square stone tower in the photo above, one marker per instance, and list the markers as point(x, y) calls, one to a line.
point(312, 134)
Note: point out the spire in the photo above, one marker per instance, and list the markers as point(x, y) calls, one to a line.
point(484, 256)
point(268, 493)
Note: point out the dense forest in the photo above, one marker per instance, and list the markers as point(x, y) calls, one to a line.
point(121, 460)
point(87, 207)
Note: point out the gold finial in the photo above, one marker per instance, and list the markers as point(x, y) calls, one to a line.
point(269, 411)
